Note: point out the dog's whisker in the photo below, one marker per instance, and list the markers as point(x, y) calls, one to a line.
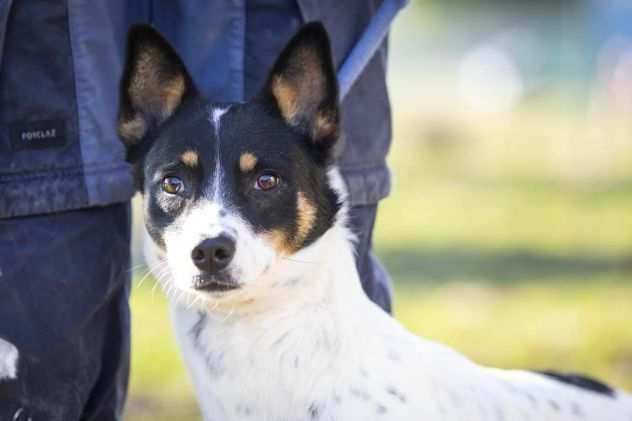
point(157, 271)
point(135, 267)
point(153, 289)
point(140, 282)
point(157, 281)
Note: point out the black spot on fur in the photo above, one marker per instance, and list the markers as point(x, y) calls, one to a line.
point(580, 381)
point(314, 411)
point(532, 399)
point(292, 282)
point(576, 410)
point(244, 410)
point(214, 363)
point(196, 330)
point(554, 405)
point(360, 394)
point(381, 409)
point(393, 391)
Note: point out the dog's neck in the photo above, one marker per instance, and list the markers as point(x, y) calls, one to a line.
point(322, 275)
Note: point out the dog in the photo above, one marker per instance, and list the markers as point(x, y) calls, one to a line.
point(245, 218)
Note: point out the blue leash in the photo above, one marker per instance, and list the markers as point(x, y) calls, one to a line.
point(368, 44)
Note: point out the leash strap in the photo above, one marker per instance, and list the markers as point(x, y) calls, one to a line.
point(367, 45)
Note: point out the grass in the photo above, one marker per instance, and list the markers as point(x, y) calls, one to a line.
point(499, 245)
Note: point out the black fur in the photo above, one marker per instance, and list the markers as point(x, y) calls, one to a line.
point(167, 65)
point(580, 381)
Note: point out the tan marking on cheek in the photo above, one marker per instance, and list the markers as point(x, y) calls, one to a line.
point(247, 162)
point(190, 158)
point(286, 96)
point(132, 130)
point(280, 242)
point(306, 215)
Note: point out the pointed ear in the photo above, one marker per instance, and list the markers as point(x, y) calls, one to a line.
point(304, 88)
point(154, 84)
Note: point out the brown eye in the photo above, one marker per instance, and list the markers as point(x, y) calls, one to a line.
point(267, 182)
point(172, 185)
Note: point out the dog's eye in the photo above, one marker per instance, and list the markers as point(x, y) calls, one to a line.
point(172, 185)
point(267, 182)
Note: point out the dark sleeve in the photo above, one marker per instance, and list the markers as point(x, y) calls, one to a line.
point(59, 69)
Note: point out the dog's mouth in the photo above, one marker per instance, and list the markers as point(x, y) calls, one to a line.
point(208, 283)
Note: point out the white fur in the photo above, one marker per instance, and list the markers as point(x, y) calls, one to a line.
point(8, 360)
point(301, 341)
point(210, 219)
point(215, 118)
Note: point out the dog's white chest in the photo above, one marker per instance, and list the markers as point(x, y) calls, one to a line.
point(297, 369)
point(319, 350)
point(281, 374)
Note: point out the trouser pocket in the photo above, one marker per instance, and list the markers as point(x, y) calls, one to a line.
point(38, 116)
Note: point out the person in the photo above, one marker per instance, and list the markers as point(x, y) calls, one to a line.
point(65, 186)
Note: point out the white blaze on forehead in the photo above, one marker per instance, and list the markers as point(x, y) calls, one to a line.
point(215, 116)
point(8, 360)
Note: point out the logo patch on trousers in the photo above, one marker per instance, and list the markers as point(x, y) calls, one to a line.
point(38, 134)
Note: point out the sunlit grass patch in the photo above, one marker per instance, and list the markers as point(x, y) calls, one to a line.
point(160, 388)
point(577, 327)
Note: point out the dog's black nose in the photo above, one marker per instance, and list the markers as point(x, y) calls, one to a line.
point(213, 254)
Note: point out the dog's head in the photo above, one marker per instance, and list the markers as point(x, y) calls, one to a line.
point(230, 190)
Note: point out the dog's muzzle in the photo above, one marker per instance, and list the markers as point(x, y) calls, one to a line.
point(212, 256)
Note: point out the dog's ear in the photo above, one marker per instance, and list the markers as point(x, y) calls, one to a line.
point(155, 83)
point(304, 88)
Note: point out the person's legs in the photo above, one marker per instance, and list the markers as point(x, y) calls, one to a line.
point(375, 280)
point(64, 283)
